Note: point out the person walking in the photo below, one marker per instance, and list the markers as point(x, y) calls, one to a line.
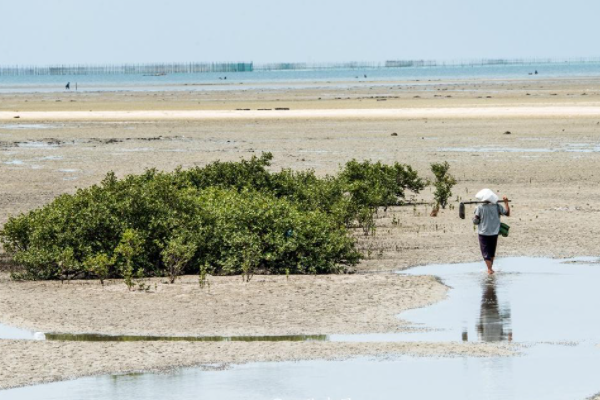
point(487, 219)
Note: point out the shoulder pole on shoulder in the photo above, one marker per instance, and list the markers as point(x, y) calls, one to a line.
point(461, 207)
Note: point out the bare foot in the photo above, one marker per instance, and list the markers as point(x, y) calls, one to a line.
point(490, 271)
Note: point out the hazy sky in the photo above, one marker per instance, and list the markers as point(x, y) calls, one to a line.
point(116, 31)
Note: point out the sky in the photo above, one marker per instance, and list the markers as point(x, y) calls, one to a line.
point(42, 32)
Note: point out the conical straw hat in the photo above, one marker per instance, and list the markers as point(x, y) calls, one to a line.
point(487, 195)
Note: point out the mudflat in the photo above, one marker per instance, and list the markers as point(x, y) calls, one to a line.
point(267, 305)
point(535, 141)
point(26, 363)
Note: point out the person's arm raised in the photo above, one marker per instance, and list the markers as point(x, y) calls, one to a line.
point(506, 205)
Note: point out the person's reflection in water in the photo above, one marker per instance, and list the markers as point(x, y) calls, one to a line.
point(493, 324)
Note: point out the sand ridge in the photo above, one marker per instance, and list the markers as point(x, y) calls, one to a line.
point(347, 114)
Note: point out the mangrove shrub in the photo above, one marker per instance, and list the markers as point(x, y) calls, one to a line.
point(225, 218)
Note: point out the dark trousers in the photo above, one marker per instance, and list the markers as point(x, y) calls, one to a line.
point(488, 246)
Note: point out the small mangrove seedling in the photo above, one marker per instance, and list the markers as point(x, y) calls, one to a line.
point(443, 183)
point(99, 265)
point(128, 248)
point(176, 255)
point(203, 277)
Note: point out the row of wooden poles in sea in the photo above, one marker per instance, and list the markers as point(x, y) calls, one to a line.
point(158, 69)
point(155, 69)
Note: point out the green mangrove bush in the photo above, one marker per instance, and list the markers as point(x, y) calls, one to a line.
point(222, 219)
point(443, 183)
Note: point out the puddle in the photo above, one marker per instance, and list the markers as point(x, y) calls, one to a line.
point(496, 150)
point(134, 150)
point(38, 145)
point(317, 151)
point(14, 162)
point(30, 126)
point(549, 306)
point(569, 148)
point(50, 158)
point(546, 372)
point(519, 303)
point(527, 300)
point(13, 333)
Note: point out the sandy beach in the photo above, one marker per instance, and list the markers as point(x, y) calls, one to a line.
point(536, 142)
point(284, 114)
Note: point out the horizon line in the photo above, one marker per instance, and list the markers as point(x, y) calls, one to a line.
point(443, 61)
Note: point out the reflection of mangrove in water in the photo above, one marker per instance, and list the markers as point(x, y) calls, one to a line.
point(493, 324)
point(91, 337)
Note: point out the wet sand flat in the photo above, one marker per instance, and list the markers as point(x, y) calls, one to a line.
point(547, 164)
point(267, 305)
point(26, 363)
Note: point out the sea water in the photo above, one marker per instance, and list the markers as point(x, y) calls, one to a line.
point(286, 78)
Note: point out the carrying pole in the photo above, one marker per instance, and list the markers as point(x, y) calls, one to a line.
point(461, 207)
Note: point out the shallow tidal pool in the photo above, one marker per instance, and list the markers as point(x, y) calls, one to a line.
point(547, 307)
